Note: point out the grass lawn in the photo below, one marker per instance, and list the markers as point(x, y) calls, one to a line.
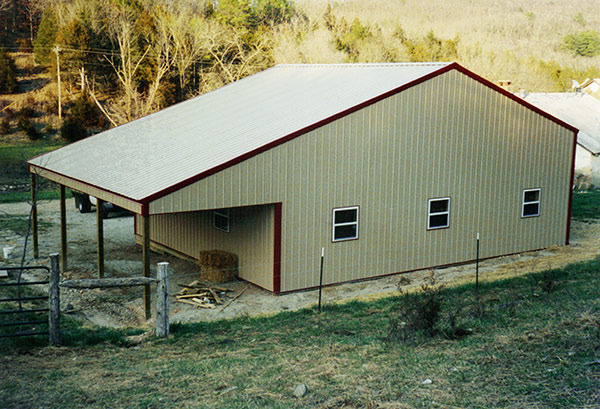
point(529, 348)
point(13, 169)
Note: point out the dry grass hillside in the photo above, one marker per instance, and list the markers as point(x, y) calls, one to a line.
point(505, 39)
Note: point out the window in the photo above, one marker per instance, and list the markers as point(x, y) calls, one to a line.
point(221, 220)
point(531, 203)
point(438, 213)
point(345, 223)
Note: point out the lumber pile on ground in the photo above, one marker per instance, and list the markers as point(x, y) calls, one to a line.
point(217, 266)
point(202, 295)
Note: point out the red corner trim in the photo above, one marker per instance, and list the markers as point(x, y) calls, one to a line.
point(568, 235)
point(277, 250)
point(512, 96)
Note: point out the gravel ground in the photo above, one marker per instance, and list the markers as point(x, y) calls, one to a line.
point(123, 307)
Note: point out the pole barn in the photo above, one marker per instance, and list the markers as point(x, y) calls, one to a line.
point(389, 167)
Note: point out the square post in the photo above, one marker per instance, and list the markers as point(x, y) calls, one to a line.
point(34, 216)
point(63, 230)
point(100, 236)
point(162, 301)
point(146, 263)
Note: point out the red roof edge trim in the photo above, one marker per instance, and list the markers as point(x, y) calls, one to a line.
point(512, 96)
point(31, 169)
point(569, 206)
point(296, 134)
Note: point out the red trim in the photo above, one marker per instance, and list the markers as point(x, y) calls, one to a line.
point(567, 239)
point(277, 250)
point(359, 280)
point(512, 96)
point(296, 134)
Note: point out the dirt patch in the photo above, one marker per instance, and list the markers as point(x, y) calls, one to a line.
point(123, 307)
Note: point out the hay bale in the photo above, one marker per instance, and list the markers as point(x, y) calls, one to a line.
point(217, 266)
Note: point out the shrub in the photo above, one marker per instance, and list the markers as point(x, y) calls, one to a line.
point(417, 313)
point(86, 112)
point(585, 43)
point(27, 126)
point(8, 73)
point(72, 129)
point(4, 126)
point(25, 45)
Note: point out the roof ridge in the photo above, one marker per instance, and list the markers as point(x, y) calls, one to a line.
point(378, 64)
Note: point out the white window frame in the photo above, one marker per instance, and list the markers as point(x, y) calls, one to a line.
point(538, 202)
point(430, 214)
point(223, 213)
point(334, 224)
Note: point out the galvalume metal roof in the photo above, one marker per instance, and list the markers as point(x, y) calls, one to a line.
point(146, 156)
point(576, 108)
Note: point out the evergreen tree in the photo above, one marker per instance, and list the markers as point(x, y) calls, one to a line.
point(8, 73)
point(45, 38)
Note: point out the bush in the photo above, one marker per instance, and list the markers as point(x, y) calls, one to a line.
point(585, 43)
point(8, 73)
point(72, 129)
point(27, 126)
point(417, 313)
point(25, 45)
point(4, 126)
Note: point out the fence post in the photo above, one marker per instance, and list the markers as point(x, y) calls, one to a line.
point(54, 301)
point(162, 301)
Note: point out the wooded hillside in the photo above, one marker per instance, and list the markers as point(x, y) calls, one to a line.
point(122, 59)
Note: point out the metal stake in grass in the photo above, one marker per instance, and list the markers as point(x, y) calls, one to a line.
point(477, 266)
point(321, 276)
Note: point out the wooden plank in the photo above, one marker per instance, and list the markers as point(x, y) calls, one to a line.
point(63, 230)
point(108, 282)
point(100, 237)
point(215, 296)
point(233, 299)
point(191, 295)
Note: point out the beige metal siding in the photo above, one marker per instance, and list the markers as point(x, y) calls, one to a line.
point(82, 187)
point(449, 136)
point(250, 237)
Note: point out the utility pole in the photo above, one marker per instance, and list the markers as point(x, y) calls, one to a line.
point(56, 51)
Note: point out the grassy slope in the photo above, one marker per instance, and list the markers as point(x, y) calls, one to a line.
point(528, 349)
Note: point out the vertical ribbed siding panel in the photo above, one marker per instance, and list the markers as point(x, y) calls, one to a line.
point(449, 136)
point(251, 238)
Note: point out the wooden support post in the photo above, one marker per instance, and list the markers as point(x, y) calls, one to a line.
point(34, 216)
point(162, 301)
point(63, 230)
point(146, 262)
point(54, 301)
point(100, 236)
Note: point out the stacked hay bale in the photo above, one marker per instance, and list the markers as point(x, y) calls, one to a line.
point(217, 266)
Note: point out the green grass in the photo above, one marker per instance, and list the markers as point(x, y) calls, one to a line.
point(51, 194)
point(528, 349)
point(586, 205)
point(19, 224)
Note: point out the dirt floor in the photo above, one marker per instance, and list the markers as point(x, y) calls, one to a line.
point(123, 307)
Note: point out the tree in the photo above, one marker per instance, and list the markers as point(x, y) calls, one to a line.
point(45, 38)
point(8, 73)
point(585, 43)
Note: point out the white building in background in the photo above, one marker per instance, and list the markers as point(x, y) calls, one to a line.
point(583, 112)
